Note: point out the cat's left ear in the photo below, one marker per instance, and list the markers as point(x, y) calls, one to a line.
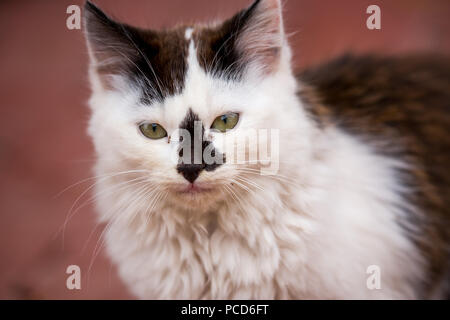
point(260, 38)
point(114, 47)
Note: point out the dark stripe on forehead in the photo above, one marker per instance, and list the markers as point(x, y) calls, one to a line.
point(188, 122)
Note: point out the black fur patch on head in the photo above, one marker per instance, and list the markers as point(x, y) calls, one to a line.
point(155, 62)
point(191, 168)
point(217, 51)
point(253, 36)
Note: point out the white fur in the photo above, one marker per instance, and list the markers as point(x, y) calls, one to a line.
point(309, 232)
point(188, 33)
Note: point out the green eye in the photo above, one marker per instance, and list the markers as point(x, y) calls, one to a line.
point(225, 122)
point(153, 131)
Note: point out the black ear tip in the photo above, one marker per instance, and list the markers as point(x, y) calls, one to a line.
point(94, 15)
point(91, 8)
point(254, 4)
point(90, 5)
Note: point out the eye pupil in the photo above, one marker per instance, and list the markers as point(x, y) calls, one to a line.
point(225, 122)
point(153, 131)
point(224, 119)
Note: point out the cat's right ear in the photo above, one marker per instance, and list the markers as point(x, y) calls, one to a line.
point(112, 45)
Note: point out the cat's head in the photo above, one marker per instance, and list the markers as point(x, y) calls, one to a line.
point(214, 82)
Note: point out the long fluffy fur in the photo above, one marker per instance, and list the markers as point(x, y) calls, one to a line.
point(310, 231)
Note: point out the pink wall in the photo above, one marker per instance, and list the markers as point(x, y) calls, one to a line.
point(43, 93)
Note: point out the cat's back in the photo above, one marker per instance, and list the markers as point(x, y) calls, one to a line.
point(402, 107)
point(409, 95)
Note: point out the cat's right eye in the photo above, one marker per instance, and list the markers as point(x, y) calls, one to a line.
point(153, 131)
point(225, 122)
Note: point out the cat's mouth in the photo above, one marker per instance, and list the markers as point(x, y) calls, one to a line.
point(193, 189)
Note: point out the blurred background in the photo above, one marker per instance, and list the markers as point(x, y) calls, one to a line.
point(44, 147)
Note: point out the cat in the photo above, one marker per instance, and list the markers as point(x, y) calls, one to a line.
point(361, 179)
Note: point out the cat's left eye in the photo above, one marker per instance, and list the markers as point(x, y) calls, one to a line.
point(153, 131)
point(225, 122)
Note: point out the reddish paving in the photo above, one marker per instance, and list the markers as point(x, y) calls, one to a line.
point(43, 93)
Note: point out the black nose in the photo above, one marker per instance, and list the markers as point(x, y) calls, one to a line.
point(190, 171)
